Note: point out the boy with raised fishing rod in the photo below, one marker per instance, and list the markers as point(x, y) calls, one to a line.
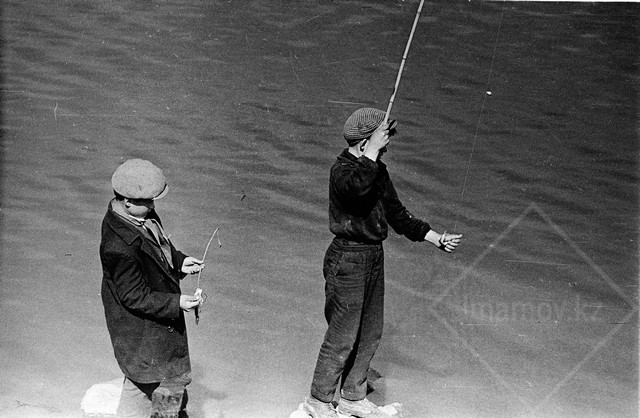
point(363, 203)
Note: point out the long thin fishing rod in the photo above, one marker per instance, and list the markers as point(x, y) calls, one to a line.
point(404, 59)
point(487, 93)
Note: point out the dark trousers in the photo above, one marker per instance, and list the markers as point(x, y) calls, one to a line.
point(354, 309)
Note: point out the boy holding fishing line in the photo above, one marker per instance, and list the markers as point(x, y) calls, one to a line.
point(143, 304)
point(363, 203)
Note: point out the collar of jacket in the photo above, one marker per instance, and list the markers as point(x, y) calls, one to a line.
point(130, 232)
point(346, 156)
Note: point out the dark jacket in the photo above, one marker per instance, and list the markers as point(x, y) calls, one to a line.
point(363, 202)
point(141, 298)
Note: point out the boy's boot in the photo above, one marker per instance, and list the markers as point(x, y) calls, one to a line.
point(166, 401)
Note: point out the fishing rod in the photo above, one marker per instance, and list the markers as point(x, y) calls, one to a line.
point(404, 59)
point(198, 292)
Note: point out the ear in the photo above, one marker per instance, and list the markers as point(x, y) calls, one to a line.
point(363, 144)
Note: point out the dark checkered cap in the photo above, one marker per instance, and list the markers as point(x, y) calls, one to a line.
point(139, 179)
point(362, 123)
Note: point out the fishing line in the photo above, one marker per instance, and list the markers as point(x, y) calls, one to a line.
point(484, 99)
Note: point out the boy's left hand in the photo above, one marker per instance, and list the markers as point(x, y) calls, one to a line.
point(188, 302)
point(192, 265)
point(449, 242)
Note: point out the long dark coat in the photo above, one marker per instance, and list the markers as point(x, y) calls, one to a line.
point(141, 298)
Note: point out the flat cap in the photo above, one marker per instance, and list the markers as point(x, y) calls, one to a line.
point(362, 123)
point(139, 179)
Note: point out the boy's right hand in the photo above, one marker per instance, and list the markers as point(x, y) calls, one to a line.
point(379, 140)
point(188, 302)
point(380, 137)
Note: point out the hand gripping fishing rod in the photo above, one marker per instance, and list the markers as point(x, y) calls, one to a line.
point(404, 58)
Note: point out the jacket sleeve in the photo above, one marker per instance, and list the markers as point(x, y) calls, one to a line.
point(178, 258)
point(135, 294)
point(400, 219)
point(354, 180)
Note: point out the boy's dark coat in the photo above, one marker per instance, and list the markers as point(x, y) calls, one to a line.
point(141, 297)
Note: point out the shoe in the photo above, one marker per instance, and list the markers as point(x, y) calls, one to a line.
point(315, 408)
point(361, 409)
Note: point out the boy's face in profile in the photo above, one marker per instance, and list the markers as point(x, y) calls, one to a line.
point(139, 208)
